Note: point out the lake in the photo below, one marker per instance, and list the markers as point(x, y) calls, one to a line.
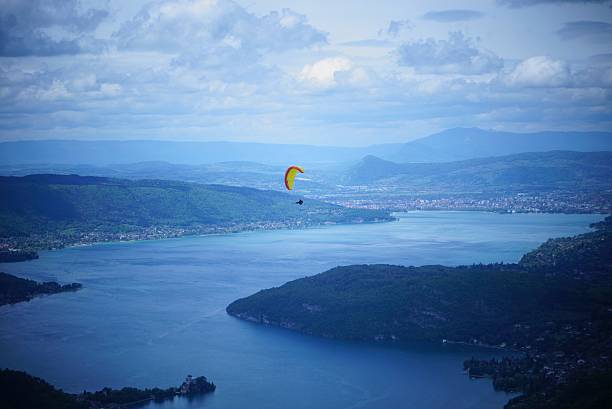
point(152, 312)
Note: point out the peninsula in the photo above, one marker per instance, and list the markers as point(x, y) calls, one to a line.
point(15, 289)
point(554, 307)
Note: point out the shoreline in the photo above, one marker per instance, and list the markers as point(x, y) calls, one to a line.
point(394, 215)
point(208, 234)
point(387, 343)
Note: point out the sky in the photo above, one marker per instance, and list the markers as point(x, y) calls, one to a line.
point(347, 73)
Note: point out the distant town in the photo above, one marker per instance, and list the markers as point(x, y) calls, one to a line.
point(21, 246)
point(551, 202)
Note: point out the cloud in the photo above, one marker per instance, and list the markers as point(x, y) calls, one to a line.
point(38, 43)
point(26, 27)
point(396, 27)
point(105, 97)
point(587, 30)
point(214, 34)
point(450, 16)
point(35, 43)
point(528, 3)
point(209, 70)
point(540, 71)
point(459, 54)
point(546, 72)
point(49, 90)
point(326, 72)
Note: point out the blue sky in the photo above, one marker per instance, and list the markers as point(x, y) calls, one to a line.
point(317, 72)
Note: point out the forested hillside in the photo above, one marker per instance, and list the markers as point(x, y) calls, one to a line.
point(70, 206)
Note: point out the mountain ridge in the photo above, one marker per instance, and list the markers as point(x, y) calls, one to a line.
point(468, 143)
point(448, 145)
point(532, 170)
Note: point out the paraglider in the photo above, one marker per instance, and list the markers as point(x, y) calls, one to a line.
point(290, 174)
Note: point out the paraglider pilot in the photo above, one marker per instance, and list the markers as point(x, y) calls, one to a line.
point(290, 178)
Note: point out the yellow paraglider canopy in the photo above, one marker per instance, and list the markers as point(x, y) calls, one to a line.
point(290, 176)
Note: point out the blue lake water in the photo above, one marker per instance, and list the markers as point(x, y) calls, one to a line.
point(151, 312)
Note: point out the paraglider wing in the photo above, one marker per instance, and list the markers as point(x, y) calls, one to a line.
point(290, 176)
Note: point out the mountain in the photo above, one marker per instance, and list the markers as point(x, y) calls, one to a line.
point(249, 174)
point(560, 170)
point(72, 208)
point(195, 153)
point(372, 168)
point(467, 143)
point(536, 171)
point(226, 173)
point(450, 145)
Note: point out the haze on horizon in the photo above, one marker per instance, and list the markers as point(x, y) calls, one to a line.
point(310, 72)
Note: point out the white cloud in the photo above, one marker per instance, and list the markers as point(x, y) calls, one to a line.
point(110, 89)
point(85, 82)
point(540, 71)
point(323, 73)
point(216, 70)
point(57, 90)
point(215, 33)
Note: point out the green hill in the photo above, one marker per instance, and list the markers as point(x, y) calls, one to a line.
point(538, 171)
point(248, 174)
point(525, 172)
point(385, 302)
point(71, 206)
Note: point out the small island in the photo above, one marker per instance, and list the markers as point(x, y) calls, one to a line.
point(15, 289)
point(19, 390)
